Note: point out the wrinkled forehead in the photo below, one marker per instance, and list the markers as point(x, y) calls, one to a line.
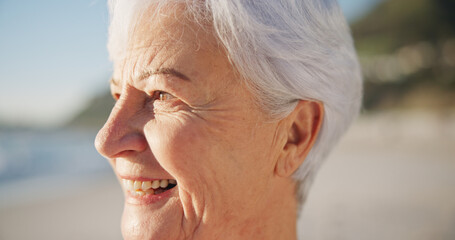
point(169, 38)
point(144, 24)
point(158, 34)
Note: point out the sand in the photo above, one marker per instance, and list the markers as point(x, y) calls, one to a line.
point(88, 211)
point(391, 177)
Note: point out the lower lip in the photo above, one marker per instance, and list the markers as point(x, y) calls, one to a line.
point(149, 199)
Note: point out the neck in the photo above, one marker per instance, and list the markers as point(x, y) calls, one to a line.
point(277, 219)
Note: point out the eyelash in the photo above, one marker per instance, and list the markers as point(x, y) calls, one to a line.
point(160, 95)
point(157, 95)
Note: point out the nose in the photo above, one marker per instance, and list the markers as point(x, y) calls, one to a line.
point(122, 133)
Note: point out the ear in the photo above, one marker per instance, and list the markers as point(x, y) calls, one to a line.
point(302, 127)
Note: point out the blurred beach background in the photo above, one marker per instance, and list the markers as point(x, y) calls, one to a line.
point(391, 177)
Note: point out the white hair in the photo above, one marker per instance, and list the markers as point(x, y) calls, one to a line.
point(285, 50)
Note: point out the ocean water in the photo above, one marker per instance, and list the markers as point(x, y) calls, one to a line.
point(37, 164)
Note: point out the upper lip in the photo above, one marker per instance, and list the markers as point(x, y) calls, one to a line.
point(140, 178)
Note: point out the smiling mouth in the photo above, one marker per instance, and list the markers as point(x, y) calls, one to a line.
point(142, 188)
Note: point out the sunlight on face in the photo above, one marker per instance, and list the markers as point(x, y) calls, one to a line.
point(182, 115)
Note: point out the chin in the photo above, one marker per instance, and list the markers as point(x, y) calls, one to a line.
point(161, 220)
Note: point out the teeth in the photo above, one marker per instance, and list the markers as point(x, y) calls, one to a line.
point(163, 183)
point(150, 191)
point(146, 185)
point(129, 184)
point(140, 188)
point(156, 184)
point(137, 185)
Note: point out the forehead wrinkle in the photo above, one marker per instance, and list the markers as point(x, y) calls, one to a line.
point(169, 42)
point(137, 59)
point(158, 32)
point(137, 65)
point(164, 54)
point(146, 69)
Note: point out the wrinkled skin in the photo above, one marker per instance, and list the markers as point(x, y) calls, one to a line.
point(206, 132)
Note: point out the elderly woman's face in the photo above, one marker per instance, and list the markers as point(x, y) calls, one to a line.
point(184, 116)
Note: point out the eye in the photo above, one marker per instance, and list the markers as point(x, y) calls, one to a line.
point(164, 96)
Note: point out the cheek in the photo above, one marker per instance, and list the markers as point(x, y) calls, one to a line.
point(202, 151)
point(208, 156)
point(197, 154)
point(181, 146)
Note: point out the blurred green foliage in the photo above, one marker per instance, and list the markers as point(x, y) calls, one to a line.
point(407, 52)
point(95, 114)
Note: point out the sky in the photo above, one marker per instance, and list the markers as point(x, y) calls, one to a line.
point(53, 57)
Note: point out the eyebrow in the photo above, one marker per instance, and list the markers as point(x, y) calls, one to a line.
point(160, 71)
point(164, 71)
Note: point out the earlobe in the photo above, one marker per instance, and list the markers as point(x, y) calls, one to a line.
point(303, 126)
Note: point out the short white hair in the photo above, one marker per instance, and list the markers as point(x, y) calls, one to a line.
point(285, 50)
